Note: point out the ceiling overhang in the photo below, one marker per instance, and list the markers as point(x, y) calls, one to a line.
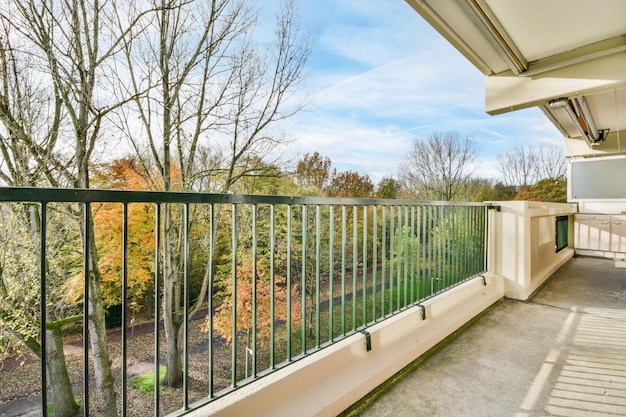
point(536, 53)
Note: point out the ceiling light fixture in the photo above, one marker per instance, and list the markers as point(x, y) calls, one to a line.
point(579, 113)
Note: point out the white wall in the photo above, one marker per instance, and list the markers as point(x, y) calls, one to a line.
point(521, 244)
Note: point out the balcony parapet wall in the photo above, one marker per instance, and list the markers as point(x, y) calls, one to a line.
point(521, 245)
point(330, 381)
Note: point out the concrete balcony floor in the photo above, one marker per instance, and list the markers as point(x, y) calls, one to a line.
point(563, 353)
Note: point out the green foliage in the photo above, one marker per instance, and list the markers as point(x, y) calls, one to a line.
point(20, 272)
point(388, 188)
point(486, 190)
point(551, 190)
point(145, 382)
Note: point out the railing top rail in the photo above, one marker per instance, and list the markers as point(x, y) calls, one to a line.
point(73, 195)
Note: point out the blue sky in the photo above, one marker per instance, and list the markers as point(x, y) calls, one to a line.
point(380, 77)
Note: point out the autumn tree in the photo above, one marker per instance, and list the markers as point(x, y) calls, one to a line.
point(388, 188)
point(548, 190)
point(255, 293)
point(124, 174)
point(314, 170)
point(56, 63)
point(439, 167)
point(350, 184)
point(205, 87)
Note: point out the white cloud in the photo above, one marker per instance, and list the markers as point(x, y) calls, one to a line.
point(381, 78)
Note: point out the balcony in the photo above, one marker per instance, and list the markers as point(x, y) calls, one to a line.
point(562, 353)
point(348, 291)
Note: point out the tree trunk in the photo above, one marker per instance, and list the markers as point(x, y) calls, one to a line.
point(98, 336)
point(62, 395)
point(171, 323)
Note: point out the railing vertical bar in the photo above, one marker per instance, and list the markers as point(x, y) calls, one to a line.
point(186, 280)
point(43, 303)
point(479, 237)
point(419, 260)
point(450, 248)
point(157, 313)
point(412, 228)
point(431, 239)
point(210, 305)
point(374, 260)
point(87, 232)
point(477, 242)
point(124, 307)
point(484, 229)
point(364, 263)
point(445, 211)
point(485, 236)
point(343, 269)
point(331, 271)
point(400, 258)
point(272, 286)
point(474, 246)
point(472, 242)
point(355, 255)
point(469, 239)
point(455, 244)
point(233, 352)
point(406, 255)
point(289, 301)
point(463, 242)
point(254, 293)
point(439, 248)
point(318, 272)
point(392, 246)
point(303, 277)
point(444, 246)
point(459, 242)
point(383, 263)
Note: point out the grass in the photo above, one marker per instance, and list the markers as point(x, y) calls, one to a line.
point(145, 382)
point(77, 398)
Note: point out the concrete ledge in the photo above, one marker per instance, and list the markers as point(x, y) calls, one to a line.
point(331, 380)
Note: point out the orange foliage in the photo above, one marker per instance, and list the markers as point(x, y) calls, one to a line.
point(223, 317)
point(122, 174)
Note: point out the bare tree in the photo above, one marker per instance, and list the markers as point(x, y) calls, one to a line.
point(551, 162)
point(525, 165)
point(205, 88)
point(62, 51)
point(439, 168)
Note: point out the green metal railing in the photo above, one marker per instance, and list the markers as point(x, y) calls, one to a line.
point(286, 276)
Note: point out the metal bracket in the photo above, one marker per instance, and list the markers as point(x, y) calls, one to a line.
point(423, 311)
point(368, 340)
point(484, 280)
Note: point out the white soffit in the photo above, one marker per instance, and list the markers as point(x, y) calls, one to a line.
point(543, 28)
point(536, 51)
